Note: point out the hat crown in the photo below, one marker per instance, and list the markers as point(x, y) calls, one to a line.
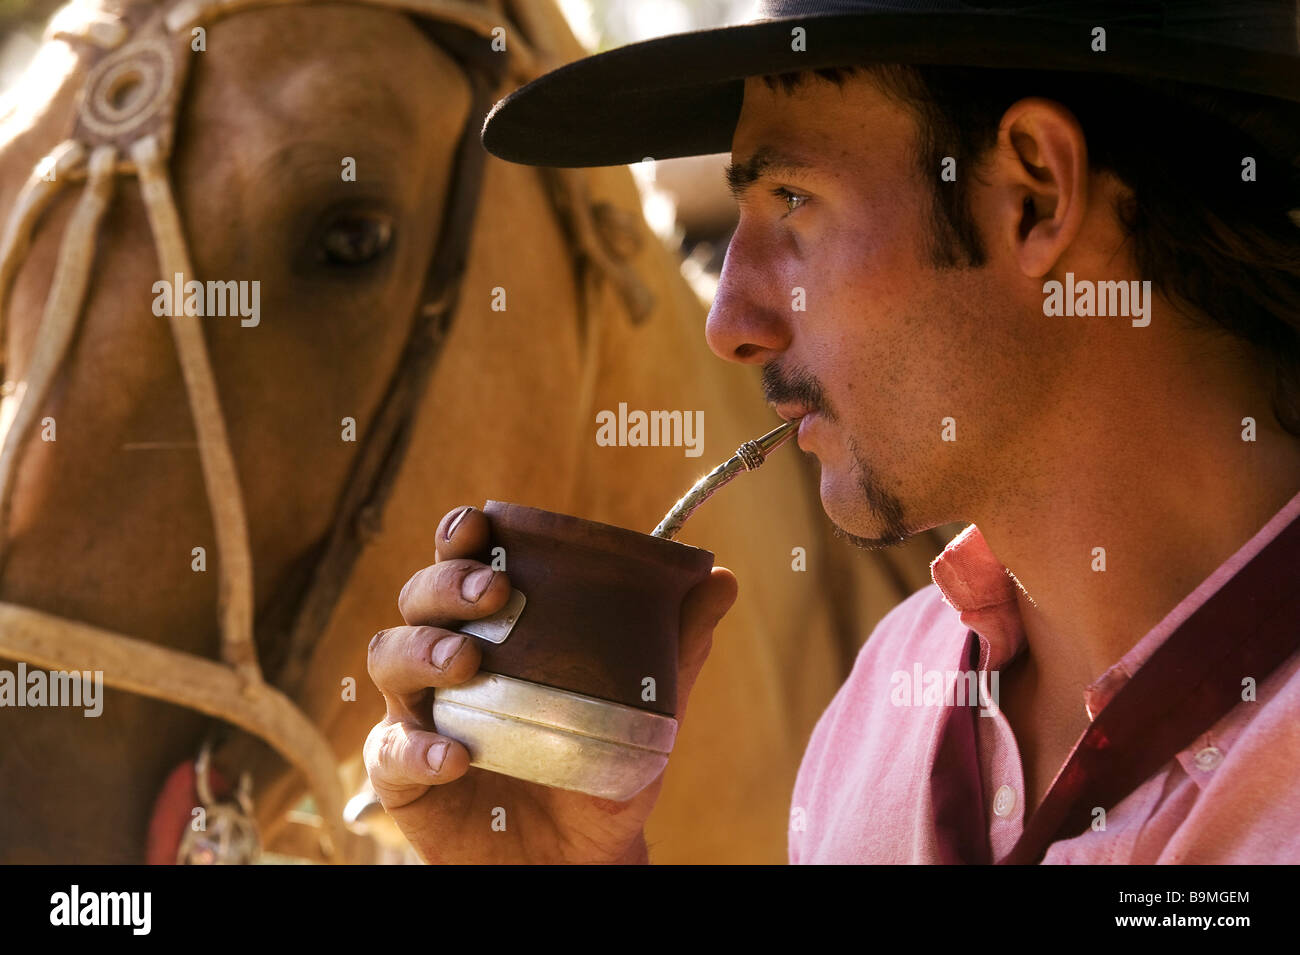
point(682, 95)
point(1262, 24)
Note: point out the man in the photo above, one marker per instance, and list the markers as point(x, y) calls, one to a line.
point(1062, 305)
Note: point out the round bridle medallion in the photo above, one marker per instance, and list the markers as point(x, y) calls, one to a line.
point(126, 88)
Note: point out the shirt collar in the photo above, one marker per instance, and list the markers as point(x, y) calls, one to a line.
point(1108, 684)
point(983, 592)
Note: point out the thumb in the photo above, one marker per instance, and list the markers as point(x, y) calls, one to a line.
point(704, 607)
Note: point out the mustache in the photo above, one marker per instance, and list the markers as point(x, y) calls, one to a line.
point(797, 387)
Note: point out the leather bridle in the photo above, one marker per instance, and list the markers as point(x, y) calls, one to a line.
point(150, 46)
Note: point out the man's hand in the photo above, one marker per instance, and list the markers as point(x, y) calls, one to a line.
point(411, 765)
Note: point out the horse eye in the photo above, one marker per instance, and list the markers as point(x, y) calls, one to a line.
point(354, 238)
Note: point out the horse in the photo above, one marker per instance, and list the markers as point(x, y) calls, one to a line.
point(216, 512)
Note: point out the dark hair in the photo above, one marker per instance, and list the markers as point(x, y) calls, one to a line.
point(1204, 236)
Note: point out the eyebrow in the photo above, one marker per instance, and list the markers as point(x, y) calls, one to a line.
point(766, 161)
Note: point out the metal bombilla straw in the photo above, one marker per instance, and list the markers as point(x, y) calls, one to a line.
point(748, 457)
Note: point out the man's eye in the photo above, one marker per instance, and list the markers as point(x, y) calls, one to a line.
point(792, 200)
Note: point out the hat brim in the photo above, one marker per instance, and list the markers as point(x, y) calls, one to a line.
point(681, 95)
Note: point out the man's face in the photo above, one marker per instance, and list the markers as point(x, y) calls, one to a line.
point(888, 346)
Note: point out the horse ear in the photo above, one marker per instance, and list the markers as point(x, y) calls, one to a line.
point(622, 231)
point(606, 235)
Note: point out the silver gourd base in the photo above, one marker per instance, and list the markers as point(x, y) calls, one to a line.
point(555, 737)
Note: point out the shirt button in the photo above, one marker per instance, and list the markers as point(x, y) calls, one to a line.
point(1004, 801)
point(1208, 758)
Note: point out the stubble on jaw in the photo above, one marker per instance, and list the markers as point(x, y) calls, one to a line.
point(886, 509)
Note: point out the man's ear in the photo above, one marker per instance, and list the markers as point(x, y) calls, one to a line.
point(1041, 182)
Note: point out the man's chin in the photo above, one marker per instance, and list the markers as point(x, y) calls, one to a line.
point(871, 518)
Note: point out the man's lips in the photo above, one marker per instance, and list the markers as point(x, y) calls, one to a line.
point(792, 412)
point(805, 424)
point(805, 416)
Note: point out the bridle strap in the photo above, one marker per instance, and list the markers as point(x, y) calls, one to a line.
point(220, 477)
point(62, 309)
point(41, 188)
point(212, 688)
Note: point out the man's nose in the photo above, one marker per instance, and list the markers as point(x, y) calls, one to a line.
point(746, 324)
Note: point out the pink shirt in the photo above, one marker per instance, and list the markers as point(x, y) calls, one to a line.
point(863, 793)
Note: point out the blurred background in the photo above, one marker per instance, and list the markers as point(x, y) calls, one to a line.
point(685, 200)
point(21, 24)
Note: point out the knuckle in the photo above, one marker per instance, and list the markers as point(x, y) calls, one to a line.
point(374, 741)
point(449, 581)
point(417, 652)
point(447, 577)
point(372, 653)
point(411, 590)
point(391, 749)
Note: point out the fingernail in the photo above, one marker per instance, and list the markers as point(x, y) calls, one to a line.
point(455, 523)
point(438, 755)
point(473, 586)
point(445, 649)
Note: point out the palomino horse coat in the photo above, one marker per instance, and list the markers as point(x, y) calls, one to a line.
point(567, 307)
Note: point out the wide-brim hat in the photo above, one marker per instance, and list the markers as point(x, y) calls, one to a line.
point(680, 95)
